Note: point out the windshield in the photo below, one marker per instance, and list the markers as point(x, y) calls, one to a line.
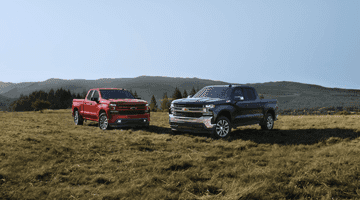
point(214, 92)
point(116, 94)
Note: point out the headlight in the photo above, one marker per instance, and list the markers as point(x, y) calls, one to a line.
point(210, 106)
point(206, 110)
point(147, 104)
point(172, 105)
point(112, 104)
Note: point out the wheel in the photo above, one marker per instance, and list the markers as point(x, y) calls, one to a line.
point(103, 121)
point(222, 128)
point(78, 119)
point(269, 122)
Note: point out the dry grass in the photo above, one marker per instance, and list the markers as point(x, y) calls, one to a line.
point(45, 156)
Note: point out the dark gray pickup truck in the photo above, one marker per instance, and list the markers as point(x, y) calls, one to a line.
point(217, 109)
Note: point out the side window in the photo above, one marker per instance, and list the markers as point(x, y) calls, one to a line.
point(96, 94)
point(250, 94)
point(238, 92)
point(89, 95)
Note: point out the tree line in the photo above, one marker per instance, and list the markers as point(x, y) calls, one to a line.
point(39, 100)
point(62, 99)
point(166, 101)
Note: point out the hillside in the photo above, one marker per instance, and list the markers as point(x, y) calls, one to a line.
point(291, 95)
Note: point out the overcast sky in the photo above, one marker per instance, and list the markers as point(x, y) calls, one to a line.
point(240, 41)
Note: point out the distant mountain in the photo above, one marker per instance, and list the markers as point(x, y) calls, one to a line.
point(5, 102)
point(290, 95)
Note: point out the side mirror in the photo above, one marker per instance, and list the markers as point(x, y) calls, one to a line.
point(94, 99)
point(190, 96)
point(239, 98)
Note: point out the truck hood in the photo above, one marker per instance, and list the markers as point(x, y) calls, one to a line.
point(123, 101)
point(200, 101)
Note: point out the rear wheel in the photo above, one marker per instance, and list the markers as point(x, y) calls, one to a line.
point(78, 119)
point(222, 128)
point(103, 121)
point(269, 122)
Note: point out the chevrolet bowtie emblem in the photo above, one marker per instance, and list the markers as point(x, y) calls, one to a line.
point(185, 109)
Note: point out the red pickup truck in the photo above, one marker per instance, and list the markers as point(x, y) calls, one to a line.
point(111, 107)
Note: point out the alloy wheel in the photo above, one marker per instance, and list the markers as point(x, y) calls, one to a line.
point(222, 128)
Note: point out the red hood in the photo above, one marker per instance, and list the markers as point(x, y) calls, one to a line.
point(123, 101)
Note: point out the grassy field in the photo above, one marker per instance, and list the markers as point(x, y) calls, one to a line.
point(45, 156)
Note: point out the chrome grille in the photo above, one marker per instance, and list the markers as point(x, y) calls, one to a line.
point(189, 110)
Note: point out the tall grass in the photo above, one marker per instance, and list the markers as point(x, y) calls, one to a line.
point(45, 156)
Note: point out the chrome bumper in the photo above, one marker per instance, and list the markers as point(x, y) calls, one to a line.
point(205, 120)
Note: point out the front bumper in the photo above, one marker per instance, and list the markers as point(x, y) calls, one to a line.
point(119, 123)
point(201, 124)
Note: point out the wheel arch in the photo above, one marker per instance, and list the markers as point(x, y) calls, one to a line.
point(225, 113)
point(75, 109)
point(269, 111)
point(103, 111)
point(272, 112)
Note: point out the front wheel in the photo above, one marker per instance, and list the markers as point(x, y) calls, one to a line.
point(222, 128)
point(78, 119)
point(103, 122)
point(269, 123)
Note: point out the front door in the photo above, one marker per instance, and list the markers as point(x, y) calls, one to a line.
point(93, 107)
point(87, 105)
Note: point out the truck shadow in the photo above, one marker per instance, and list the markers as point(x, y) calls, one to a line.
point(292, 137)
point(276, 136)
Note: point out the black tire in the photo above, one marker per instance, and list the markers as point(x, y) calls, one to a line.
point(222, 128)
point(269, 122)
point(103, 122)
point(78, 119)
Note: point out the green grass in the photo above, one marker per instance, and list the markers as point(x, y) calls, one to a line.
point(45, 156)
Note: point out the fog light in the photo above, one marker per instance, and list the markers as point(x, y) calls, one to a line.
point(144, 120)
point(119, 121)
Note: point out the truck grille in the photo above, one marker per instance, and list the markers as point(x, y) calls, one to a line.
point(189, 110)
point(187, 114)
point(135, 112)
point(130, 109)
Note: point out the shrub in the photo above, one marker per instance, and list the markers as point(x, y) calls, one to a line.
point(344, 112)
point(40, 105)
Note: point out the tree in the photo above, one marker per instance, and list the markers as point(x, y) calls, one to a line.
point(165, 104)
point(184, 94)
point(153, 104)
point(193, 92)
point(83, 95)
point(51, 98)
point(40, 105)
point(198, 89)
point(135, 94)
point(177, 94)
